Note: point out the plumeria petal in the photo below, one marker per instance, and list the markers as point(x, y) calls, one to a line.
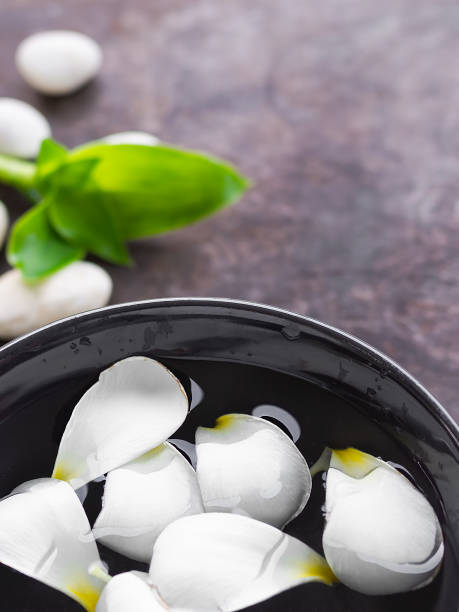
point(144, 496)
point(135, 405)
point(355, 463)
point(221, 561)
point(249, 466)
point(129, 593)
point(381, 535)
point(350, 460)
point(323, 462)
point(44, 533)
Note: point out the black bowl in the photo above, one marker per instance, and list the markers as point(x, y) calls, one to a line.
point(340, 391)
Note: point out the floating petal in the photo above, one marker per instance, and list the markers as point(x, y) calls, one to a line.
point(351, 461)
point(129, 593)
point(135, 405)
point(44, 533)
point(323, 462)
point(355, 463)
point(220, 561)
point(381, 536)
point(249, 466)
point(144, 496)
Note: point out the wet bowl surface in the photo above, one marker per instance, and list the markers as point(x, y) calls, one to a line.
point(333, 389)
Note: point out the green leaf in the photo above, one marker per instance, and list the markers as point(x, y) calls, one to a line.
point(51, 156)
point(51, 152)
point(80, 214)
point(73, 175)
point(86, 218)
point(146, 190)
point(35, 247)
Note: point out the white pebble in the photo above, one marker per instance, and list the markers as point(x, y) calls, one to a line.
point(22, 128)
point(57, 62)
point(76, 288)
point(139, 138)
point(4, 220)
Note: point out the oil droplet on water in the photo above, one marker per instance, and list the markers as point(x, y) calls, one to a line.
point(291, 331)
point(281, 415)
point(82, 493)
point(187, 447)
point(197, 394)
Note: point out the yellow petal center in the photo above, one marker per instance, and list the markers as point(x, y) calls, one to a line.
point(157, 450)
point(353, 462)
point(62, 472)
point(351, 456)
point(85, 593)
point(317, 570)
point(225, 421)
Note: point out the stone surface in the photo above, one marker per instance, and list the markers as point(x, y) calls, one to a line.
point(346, 116)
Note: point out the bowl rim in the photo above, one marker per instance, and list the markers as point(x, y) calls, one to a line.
point(434, 405)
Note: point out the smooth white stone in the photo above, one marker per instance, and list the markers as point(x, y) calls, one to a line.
point(57, 62)
point(136, 138)
point(22, 128)
point(4, 222)
point(78, 287)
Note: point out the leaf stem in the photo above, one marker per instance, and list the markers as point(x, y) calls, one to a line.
point(17, 172)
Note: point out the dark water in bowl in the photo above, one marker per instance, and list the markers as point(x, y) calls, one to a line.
point(29, 440)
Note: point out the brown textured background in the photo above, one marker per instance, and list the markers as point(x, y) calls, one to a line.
point(346, 115)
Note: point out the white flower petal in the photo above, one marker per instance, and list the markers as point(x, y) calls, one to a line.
point(135, 405)
point(129, 593)
point(381, 536)
point(249, 466)
point(144, 496)
point(323, 462)
point(145, 576)
point(354, 462)
point(136, 138)
point(228, 562)
point(44, 533)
